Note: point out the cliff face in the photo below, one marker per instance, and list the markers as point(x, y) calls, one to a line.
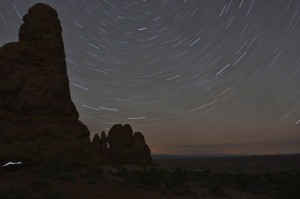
point(38, 120)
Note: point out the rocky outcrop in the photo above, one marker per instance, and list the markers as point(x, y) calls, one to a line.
point(124, 147)
point(96, 145)
point(128, 133)
point(38, 121)
point(140, 152)
point(104, 147)
point(119, 144)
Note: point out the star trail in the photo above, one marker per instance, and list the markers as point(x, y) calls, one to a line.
point(195, 76)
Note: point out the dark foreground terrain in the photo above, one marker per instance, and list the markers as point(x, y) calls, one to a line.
point(176, 177)
point(245, 164)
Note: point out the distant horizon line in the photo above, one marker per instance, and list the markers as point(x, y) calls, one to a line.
point(223, 155)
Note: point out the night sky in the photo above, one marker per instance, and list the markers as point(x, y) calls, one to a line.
point(196, 77)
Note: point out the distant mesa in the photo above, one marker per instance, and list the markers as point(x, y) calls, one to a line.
point(38, 120)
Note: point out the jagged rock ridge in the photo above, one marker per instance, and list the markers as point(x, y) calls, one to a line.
point(124, 146)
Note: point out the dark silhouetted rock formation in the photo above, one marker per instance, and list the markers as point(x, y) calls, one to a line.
point(119, 144)
point(124, 147)
point(140, 152)
point(38, 120)
point(104, 147)
point(96, 144)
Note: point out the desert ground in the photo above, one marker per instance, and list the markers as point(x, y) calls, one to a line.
point(249, 177)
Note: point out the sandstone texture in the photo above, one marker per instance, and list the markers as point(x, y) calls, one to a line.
point(38, 120)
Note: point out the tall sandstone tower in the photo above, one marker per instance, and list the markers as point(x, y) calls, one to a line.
point(38, 121)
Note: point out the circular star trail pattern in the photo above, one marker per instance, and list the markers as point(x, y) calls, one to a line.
point(195, 76)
